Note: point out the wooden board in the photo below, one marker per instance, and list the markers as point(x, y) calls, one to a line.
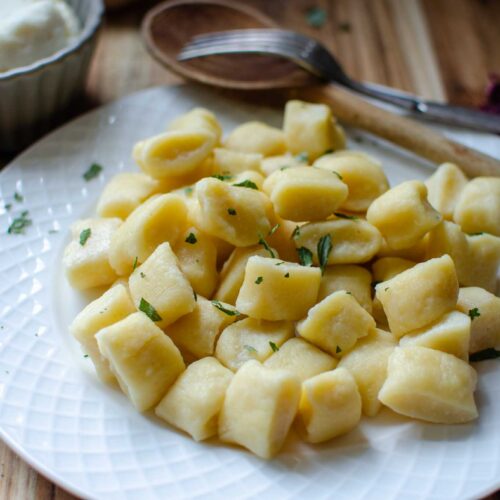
point(440, 49)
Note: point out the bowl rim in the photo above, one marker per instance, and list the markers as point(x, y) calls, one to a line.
point(88, 32)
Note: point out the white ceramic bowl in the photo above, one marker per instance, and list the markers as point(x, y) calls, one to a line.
point(34, 96)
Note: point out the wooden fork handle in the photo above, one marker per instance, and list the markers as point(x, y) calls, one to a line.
point(354, 111)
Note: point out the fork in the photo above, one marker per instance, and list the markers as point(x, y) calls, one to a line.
point(312, 56)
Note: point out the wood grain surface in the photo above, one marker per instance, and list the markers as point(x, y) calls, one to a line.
point(440, 49)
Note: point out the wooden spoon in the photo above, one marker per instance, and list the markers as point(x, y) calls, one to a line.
point(169, 25)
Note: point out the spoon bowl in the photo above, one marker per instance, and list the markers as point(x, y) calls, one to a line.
point(171, 24)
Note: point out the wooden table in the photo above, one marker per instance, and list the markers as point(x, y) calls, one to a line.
point(441, 49)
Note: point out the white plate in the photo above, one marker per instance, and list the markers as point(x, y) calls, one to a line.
point(89, 439)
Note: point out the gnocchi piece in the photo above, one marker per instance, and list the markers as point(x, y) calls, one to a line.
point(276, 290)
point(403, 215)
point(362, 174)
point(430, 385)
point(484, 261)
point(259, 408)
point(124, 193)
point(111, 307)
point(351, 278)
point(478, 206)
point(450, 334)
point(235, 162)
point(417, 252)
point(280, 162)
point(144, 360)
point(336, 323)
point(444, 187)
point(198, 119)
point(356, 241)
point(145, 229)
point(330, 405)
point(419, 296)
point(237, 215)
point(86, 257)
point(233, 272)
point(256, 137)
point(448, 238)
point(197, 255)
point(174, 153)
point(251, 339)
point(367, 363)
point(305, 193)
point(301, 358)
point(195, 400)
point(484, 310)
point(197, 332)
point(308, 128)
point(387, 267)
point(158, 283)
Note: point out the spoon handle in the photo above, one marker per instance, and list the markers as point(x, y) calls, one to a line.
point(356, 112)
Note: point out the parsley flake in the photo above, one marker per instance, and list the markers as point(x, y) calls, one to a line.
point(8, 206)
point(94, 170)
point(188, 191)
point(305, 256)
point(287, 275)
point(345, 216)
point(231, 211)
point(484, 355)
point(302, 157)
point(195, 295)
point(324, 249)
point(220, 307)
point(85, 355)
point(191, 238)
point(19, 224)
point(134, 265)
point(250, 349)
point(149, 310)
point(264, 243)
point(338, 175)
point(474, 313)
point(476, 234)
point(259, 280)
point(247, 183)
point(338, 350)
point(296, 233)
point(222, 177)
point(142, 275)
point(279, 263)
point(273, 229)
point(316, 17)
point(274, 347)
point(85, 235)
point(18, 197)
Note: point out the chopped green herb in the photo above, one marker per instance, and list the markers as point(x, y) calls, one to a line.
point(338, 175)
point(474, 313)
point(296, 233)
point(279, 263)
point(484, 355)
point(316, 17)
point(142, 275)
point(195, 295)
point(222, 177)
point(191, 238)
point(274, 347)
point(302, 157)
point(476, 234)
point(284, 167)
point(287, 275)
point(149, 310)
point(246, 184)
point(250, 349)
point(338, 350)
point(220, 307)
point(345, 27)
point(385, 289)
point(259, 280)
point(134, 266)
point(231, 211)
point(8, 206)
point(273, 229)
point(94, 170)
point(348, 292)
point(19, 224)
point(85, 355)
point(324, 249)
point(188, 191)
point(345, 216)
point(264, 243)
point(85, 235)
point(305, 256)
point(18, 197)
